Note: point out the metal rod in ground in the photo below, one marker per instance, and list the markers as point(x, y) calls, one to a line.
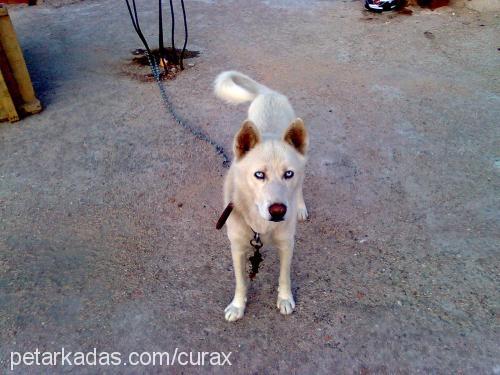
point(185, 35)
point(161, 46)
point(135, 13)
point(135, 23)
point(172, 15)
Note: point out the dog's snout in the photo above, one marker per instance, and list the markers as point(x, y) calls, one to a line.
point(277, 211)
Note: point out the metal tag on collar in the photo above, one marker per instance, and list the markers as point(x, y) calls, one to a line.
point(255, 241)
point(256, 258)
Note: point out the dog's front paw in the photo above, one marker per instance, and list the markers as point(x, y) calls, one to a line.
point(286, 305)
point(302, 214)
point(233, 312)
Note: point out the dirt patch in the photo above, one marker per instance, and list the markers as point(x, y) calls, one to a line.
point(138, 67)
point(405, 11)
point(431, 4)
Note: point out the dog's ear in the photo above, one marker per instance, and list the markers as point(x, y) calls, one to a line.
point(246, 139)
point(296, 135)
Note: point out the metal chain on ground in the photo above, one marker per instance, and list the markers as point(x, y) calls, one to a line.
point(155, 70)
point(198, 133)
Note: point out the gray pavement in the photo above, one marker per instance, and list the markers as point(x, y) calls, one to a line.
point(107, 207)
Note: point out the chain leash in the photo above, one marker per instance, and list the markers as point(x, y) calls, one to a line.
point(198, 133)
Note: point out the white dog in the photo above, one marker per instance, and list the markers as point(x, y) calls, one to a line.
point(264, 183)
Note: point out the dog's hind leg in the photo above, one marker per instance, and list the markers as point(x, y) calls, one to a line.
point(285, 302)
point(236, 308)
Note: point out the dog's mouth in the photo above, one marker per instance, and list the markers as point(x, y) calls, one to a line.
point(277, 220)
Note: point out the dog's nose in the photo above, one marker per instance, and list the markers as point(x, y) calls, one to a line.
point(277, 211)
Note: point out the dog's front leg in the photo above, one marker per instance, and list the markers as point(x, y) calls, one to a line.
point(285, 303)
point(236, 308)
point(302, 214)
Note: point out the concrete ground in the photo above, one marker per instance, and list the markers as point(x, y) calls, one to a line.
point(108, 207)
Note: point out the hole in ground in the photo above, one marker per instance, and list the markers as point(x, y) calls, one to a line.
point(139, 69)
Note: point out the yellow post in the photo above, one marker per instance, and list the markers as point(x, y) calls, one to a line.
point(12, 51)
point(8, 110)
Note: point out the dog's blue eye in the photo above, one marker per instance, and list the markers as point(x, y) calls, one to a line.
point(259, 175)
point(288, 174)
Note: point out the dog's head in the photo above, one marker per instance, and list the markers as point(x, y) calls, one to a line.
point(270, 172)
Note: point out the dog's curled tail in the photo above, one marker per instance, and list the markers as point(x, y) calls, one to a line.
point(235, 87)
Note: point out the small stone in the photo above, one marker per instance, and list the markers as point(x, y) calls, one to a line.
point(429, 34)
